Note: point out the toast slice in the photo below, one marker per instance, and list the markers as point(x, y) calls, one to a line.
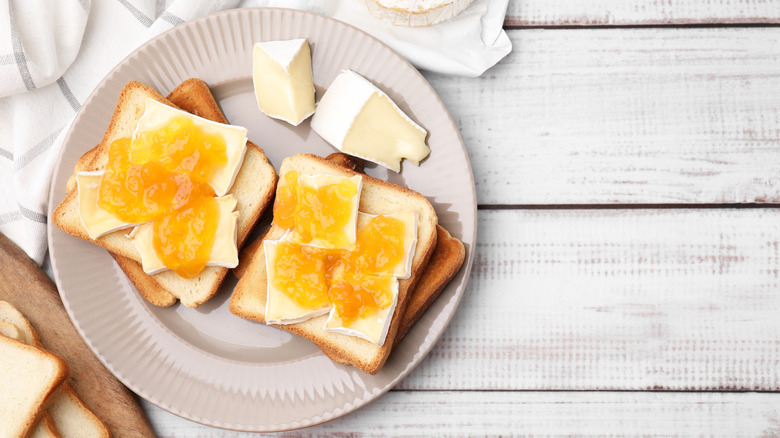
point(29, 376)
point(377, 197)
point(445, 262)
point(253, 188)
point(68, 415)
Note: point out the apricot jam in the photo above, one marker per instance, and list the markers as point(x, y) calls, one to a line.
point(162, 176)
point(379, 246)
point(357, 295)
point(316, 212)
point(303, 273)
point(323, 212)
point(286, 200)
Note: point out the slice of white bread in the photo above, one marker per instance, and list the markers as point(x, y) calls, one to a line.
point(69, 414)
point(253, 188)
point(29, 376)
point(377, 197)
point(45, 427)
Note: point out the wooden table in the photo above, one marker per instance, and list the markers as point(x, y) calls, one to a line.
point(627, 276)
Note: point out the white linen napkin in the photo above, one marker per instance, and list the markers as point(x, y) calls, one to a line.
point(55, 55)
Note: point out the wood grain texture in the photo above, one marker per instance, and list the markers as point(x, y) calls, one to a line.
point(616, 299)
point(582, 414)
point(32, 292)
point(640, 12)
point(612, 116)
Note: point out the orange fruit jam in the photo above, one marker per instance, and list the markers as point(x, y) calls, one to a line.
point(357, 295)
point(286, 200)
point(302, 273)
point(379, 246)
point(358, 283)
point(320, 213)
point(162, 177)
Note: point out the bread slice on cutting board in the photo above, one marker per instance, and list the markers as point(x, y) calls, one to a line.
point(29, 377)
point(68, 414)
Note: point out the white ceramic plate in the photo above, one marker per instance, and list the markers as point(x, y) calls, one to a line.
point(206, 364)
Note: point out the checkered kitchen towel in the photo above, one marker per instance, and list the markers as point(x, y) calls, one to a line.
point(54, 52)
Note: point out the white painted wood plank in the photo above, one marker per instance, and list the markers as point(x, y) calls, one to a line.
point(640, 12)
point(586, 414)
point(625, 116)
point(616, 299)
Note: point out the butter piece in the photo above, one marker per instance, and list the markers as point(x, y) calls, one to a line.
point(282, 79)
point(279, 307)
point(409, 218)
point(158, 115)
point(224, 252)
point(97, 221)
point(361, 120)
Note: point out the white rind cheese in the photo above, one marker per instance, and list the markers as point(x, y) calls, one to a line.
point(224, 252)
point(409, 218)
point(97, 221)
point(416, 13)
point(279, 307)
point(283, 81)
point(319, 181)
point(158, 115)
point(373, 328)
point(359, 119)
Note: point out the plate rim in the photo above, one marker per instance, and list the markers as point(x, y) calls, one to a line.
point(335, 411)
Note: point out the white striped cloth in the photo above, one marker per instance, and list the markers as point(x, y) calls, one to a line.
point(55, 52)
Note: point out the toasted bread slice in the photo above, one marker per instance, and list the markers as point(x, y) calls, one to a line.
point(377, 197)
point(253, 188)
point(29, 378)
point(67, 413)
point(446, 261)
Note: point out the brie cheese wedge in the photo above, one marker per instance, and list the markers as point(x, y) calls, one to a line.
point(282, 79)
point(158, 115)
point(224, 251)
point(97, 221)
point(361, 120)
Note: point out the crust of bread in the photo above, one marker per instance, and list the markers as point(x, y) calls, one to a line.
point(446, 261)
point(377, 197)
point(254, 189)
point(73, 418)
point(46, 428)
point(40, 369)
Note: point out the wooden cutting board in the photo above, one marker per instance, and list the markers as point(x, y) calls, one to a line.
point(29, 289)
